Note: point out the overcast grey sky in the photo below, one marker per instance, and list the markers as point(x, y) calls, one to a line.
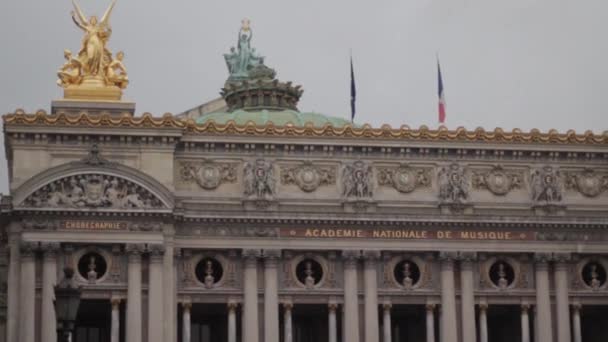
point(517, 63)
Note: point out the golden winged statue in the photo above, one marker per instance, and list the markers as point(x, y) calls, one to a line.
point(93, 73)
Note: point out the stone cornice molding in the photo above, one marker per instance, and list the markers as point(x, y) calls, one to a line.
point(169, 122)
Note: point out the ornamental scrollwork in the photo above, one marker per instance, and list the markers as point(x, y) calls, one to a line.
point(588, 182)
point(93, 191)
point(357, 180)
point(259, 179)
point(404, 179)
point(308, 177)
point(546, 185)
point(453, 184)
point(208, 175)
point(498, 180)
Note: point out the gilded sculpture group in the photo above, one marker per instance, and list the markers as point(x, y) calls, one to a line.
point(94, 62)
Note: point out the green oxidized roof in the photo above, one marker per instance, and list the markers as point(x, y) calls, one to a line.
point(278, 118)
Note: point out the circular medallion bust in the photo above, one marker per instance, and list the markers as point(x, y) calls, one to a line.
point(92, 266)
point(594, 275)
point(407, 273)
point(309, 272)
point(209, 272)
point(502, 274)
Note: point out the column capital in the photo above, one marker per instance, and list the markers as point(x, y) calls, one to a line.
point(466, 259)
point(287, 306)
point(50, 249)
point(576, 307)
point(387, 306)
point(562, 259)
point(187, 305)
point(483, 306)
point(28, 249)
point(542, 258)
point(232, 305)
point(271, 257)
point(447, 259)
point(430, 306)
point(134, 251)
point(333, 307)
point(525, 307)
point(351, 257)
point(115, 303)
point(156, 252)
point(370, 257)
point(251, 257)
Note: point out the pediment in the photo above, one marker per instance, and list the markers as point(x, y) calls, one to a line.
point(94, 190)
point(93, 183)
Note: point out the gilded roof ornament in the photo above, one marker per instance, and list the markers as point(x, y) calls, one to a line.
point(94, 73)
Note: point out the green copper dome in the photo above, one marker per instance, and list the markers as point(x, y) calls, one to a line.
point(278, 118)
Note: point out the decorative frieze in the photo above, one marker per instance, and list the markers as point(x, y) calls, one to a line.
point(208, 175)
point(404, 178)
point(498, 180)
point(307, 176)
point(588, 182)
point(93, 190)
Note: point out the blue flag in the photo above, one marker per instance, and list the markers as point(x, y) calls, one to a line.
point(353, 91)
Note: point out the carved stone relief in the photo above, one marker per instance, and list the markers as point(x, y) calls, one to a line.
point(453, 185)
point(404, 178)
point(207, 174)
point(357, 180)
point(588, 182)
point(93, 191)
point(498, 180)
point(307, 176)
point(546, 185)
point(259, 180)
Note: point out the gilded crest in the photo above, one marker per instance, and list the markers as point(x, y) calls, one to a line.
point(208, 175)
point(498, 180)
point(307, 176)
point(404, 178)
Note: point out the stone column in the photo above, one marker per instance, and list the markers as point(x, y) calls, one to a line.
point(525, 323)
point(48, 323)
point(232, 321)
point(483, 322)
point(467, 297)
point(271, 296)
point(370, 280)
point(386, 322)
point(333, 322)
point(543, 301)
point(576, 323)
point(155, 294)
point(561, 297)
point(27, 307)
point(186, 322)
point(351, 297)
point(115, 335)
point(134, 314)
point(449, 331)
point(430, 323)
point(169, 296)
point(287, 322)
point(13, 284)
point(250, 305)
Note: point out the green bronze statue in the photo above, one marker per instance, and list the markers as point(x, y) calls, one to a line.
point(243, 62)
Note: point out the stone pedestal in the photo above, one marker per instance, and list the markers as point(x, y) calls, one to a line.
point(75, 107)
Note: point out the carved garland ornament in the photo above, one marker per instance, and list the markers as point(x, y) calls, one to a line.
point(208, 175)
point(498, 181)
point(93, 191)
point(587, 182)
point(307, 176)
point(404, 178)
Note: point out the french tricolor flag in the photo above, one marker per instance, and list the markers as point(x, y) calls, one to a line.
point(440, 94)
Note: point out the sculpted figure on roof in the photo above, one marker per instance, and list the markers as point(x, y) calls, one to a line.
point(94, 72)
point(244, 62)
